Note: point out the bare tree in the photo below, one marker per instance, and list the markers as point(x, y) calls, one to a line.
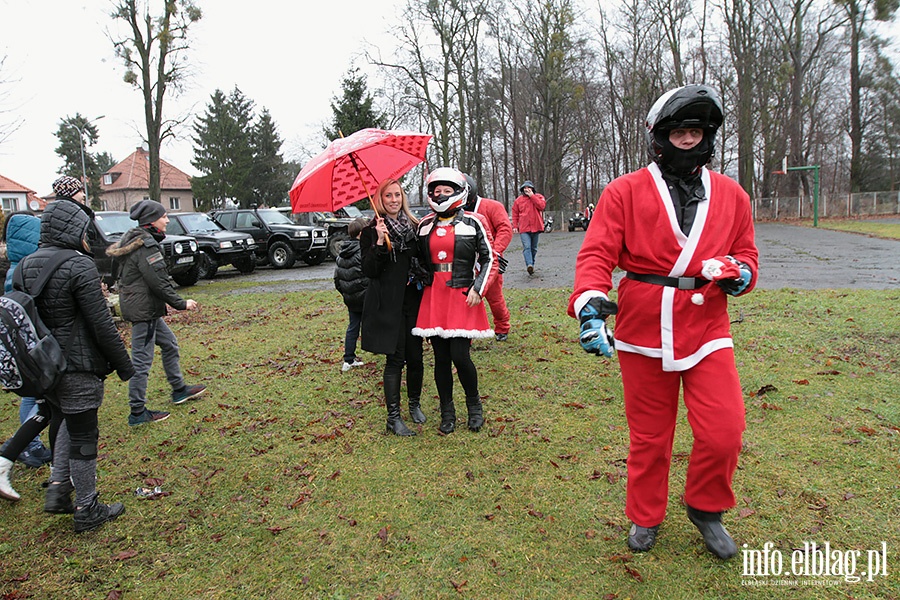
point(153, 52)
point(7, 127)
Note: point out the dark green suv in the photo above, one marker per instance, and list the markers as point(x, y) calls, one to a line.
point(279, 241)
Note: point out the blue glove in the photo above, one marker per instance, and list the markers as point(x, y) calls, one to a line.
point(596, 337)
point(734, 287)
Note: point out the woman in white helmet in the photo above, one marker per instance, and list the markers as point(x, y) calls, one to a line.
point(456, 246)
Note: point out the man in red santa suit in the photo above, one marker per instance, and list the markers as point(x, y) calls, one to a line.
point(684, 236)
point(500, 228)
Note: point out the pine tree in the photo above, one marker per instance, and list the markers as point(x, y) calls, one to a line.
point(355, 109)
point(268, 176)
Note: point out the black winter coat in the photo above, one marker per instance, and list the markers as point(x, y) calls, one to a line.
point(348, 276)
point(145, 287)
point(392, 304)
point(471, 245)
point(72, 304)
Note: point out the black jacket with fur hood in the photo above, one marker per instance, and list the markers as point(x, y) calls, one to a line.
point(145, 287)
point(72, 304)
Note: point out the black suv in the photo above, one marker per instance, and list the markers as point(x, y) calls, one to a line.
point(181, 252)
point(279, 241)
point(335, 222)
point(218, 245)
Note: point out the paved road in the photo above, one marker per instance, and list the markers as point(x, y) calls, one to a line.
point(790, 257)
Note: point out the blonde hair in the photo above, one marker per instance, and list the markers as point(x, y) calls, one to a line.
point(379, 206)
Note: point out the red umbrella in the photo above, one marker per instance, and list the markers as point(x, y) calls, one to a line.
point(350, 168)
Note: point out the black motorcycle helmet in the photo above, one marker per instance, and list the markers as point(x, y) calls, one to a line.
point(691, 106)
point(472, 198)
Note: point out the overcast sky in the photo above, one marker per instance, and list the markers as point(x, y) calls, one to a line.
point(286, 56)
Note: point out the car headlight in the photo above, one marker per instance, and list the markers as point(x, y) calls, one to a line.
point(301, 234)
point(179, 249)
point(194, 246)
point(225, 245)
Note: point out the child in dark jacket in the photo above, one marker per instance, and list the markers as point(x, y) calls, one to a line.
point(351, 283)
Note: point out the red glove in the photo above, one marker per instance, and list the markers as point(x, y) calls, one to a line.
point(715, 269)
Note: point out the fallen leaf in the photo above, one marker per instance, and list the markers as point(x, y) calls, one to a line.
point(801, 381)
point(634, 573)
point(383, 535)
point(458, 586)
point(745, 512)
point(114, 595)
point(125, 555)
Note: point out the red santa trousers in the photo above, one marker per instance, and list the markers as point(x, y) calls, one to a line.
point(495, 299)
point(715, 405)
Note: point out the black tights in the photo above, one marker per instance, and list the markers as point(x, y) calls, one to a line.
point(450, 352)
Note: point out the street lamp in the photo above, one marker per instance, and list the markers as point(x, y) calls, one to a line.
point(84, 179)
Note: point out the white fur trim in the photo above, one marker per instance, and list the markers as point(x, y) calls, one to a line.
point(698, 298)
point(452, 333)
point(585, 297)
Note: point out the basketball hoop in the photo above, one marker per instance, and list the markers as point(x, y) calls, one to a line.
point(784, 167)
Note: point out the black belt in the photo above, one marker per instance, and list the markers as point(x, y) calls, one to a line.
point(682, 283)
point(442, 267)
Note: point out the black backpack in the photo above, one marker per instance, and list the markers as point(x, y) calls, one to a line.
point(31, 359)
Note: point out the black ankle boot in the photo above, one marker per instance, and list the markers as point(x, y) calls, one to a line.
point(717, 539)
point(58, 498)
point(96, 514)
point(476, 416)
point(395, 424)
point(448, 417)
point(415, 411)
point(641, 539)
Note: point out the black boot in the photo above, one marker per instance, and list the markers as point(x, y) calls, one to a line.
point(415, 411)
point(448, 416)
point(641, 539)
point(96, 514)
point(395, 424)
point(58, 498)
point(476, 416)
point(718, 540)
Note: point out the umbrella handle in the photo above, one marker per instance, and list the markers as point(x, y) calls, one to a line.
point(387, 238)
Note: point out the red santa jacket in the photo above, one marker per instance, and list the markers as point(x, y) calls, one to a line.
point(528, 213)
point(637, 231)
point(494, 214)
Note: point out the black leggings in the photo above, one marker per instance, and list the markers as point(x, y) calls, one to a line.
point(450, 352)
point(28, 430)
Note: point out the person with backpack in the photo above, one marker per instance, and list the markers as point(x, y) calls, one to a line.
point(73, 308)
point(22, 234)
point(350, 281)
point(145, 292)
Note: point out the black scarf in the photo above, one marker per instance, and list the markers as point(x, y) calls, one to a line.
point(156, 233)
point(400, 232)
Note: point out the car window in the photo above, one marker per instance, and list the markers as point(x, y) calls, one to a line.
point(352, 211)
point(226, 219)
point(274, 217)
point(247, 219)
point(174, 227)
point(115, 224)
point(199, 223)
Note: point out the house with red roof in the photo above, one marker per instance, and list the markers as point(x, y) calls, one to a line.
point(16, 196)
point(128, 183)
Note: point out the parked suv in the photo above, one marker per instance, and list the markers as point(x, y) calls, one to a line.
point(218, 246)
point(335, 222)
point(279, 241)
point(181, 252)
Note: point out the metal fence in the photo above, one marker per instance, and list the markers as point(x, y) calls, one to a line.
point(865, 204)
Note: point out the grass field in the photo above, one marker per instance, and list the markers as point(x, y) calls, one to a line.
point(873, 227)
point(282, 484)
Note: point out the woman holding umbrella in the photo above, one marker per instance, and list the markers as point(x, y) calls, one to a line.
point(391, 306)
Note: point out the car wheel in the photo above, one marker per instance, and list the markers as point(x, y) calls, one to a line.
point(314, 258)
point(335, 242)
point(188, 277)
point(281, 256)
point(245, 265)
point(571, 228)
point(207, 265)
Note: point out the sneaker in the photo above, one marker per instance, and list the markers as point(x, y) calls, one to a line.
point(41, 452)
point(27, 458)
point(188, 392)
point(96, 514)
point(531, 269)
point(148, 416)
point(58, 498)
point(6, 489)
point(349, 365)
point(501, 337)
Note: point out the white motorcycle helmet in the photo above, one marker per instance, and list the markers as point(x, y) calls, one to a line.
point(453, 178)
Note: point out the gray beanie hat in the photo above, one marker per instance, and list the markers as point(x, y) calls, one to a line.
point(147, 211)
